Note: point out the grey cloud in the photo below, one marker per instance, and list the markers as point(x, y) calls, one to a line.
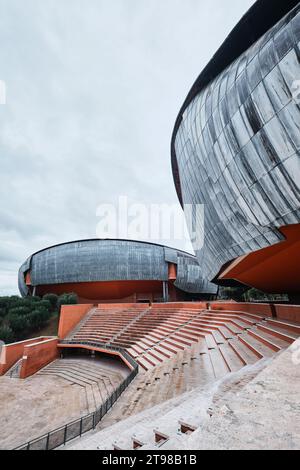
point(93, 89)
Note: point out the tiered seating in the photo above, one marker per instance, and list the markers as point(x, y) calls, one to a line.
point(104, 324)
point(155, 334)
point(97, 382)
point(212, 416)
point(180, 349)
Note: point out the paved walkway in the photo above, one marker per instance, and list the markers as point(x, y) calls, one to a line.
point(60, 393)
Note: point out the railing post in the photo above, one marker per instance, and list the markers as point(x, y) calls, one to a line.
point(105, 407)
point(47, 442)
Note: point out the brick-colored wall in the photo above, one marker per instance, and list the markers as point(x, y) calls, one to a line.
point(38, 355)
point(117, 305)
point(11, 353)
point(96, 348)
point(188, 305)
point(288, 312)
point(70, 316)
point(259, 309)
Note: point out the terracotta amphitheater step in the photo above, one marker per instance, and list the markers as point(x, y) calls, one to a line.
point(245, 354)
point(219, 365)
point(255, 345)
point(219, 339)
point(145, 363)
point(169, 348)
point(246, 317)
point(285, 335)
point(226, 333)
point(157, 356)
point(268, 339)
point(163, 352)
point(233, 361)
point(285, 326)
point(210, 341)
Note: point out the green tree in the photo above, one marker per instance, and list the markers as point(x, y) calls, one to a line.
point(67, 299)
point(2, 312)
point(46, 304)
point(6, 334)
point(52, 298)
point(38, 317)
point(19, 310)
point(18, 324)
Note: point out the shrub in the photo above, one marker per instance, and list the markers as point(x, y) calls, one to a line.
point(4, 303)
point(17, 323)
point(19, 311)
point(46, 304)
point(52, 298)
point(2, 312)
point(34, 298)
point(6, 334)
point(38, 317)
point(15, 301)
point(67, 299)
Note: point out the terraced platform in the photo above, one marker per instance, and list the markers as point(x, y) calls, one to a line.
point(154, 334)
point(181, 349)
point(238, 411)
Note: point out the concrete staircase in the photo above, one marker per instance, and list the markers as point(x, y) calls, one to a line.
point(96, 382)
point(153, 335)
point(180, 349)
point(236, 411)
point(14, 371)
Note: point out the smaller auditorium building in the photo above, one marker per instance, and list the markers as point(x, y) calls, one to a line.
point(105, 270)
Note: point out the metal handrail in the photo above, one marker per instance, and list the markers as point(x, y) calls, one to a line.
point(76, 428)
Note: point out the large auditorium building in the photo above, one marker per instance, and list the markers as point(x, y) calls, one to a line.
point(171, 372)
point(112, 270)
point(236, 149)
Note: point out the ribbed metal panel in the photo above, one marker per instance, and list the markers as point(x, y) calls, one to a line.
point(190, 278)
point(21, 277)
point(237, 149)
point(171, 255)
point(109, 260)
point(99, 260)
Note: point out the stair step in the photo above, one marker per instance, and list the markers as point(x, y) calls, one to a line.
point(219, 365)
point(145, 364)
point(210, 341)
point(285, 326)
point(226, 333)
point(219, 339)
point(275, 343)
point(243, 352)
point(287, 337)
point(154, 353)
point(256, 346)
point(234, 363)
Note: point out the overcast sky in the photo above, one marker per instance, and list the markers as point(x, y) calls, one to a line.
point(93, 90)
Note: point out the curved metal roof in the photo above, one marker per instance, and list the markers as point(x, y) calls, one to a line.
point(106, 260)
point(262, 16)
